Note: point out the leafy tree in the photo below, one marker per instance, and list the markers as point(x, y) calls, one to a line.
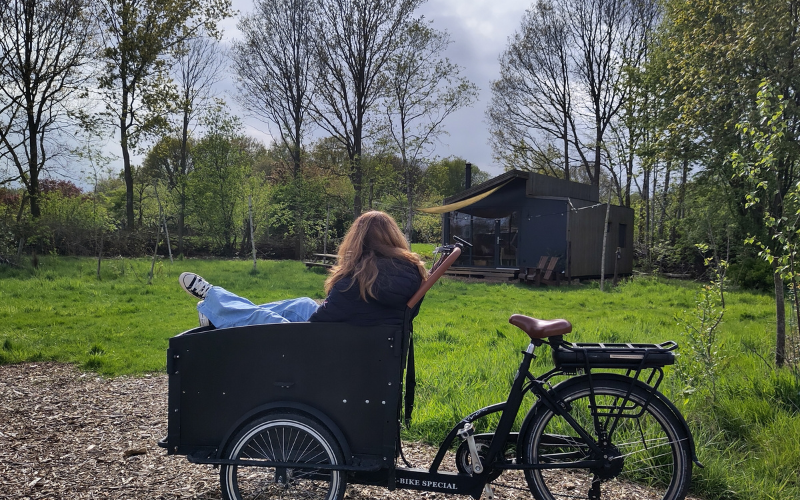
point(718, 54)
point(761, 162)
point(223, 161)
point(446, 177)
point(139, 37)
point(355, 40)
point(45, 48)
point(71, 222)
point(424, 88)
point(169, 161)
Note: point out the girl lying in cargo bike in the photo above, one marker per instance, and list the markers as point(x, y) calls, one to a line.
point(300, 409)
point(375, 276)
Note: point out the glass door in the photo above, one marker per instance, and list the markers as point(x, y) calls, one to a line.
point(494, 239)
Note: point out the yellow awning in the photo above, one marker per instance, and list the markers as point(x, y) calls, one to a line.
point(460, 204)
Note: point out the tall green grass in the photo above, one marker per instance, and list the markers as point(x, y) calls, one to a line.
point(120, 324)
point(748, 433)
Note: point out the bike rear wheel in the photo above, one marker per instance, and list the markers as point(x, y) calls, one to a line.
point(647, 446)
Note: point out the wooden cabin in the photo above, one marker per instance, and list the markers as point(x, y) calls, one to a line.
point(516, 218)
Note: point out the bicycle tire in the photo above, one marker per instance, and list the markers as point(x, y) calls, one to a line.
point(652, 448)
point(283, 437)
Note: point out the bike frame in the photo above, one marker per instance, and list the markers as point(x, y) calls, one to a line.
point(446, 482)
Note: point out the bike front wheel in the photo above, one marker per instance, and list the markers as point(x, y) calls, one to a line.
point(645, 449)
point(284, 437)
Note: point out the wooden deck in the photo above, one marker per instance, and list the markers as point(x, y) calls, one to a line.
point(486, 273)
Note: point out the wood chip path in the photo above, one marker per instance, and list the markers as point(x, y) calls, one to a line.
point(65, 434)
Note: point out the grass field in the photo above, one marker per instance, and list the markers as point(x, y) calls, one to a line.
point(747, 430)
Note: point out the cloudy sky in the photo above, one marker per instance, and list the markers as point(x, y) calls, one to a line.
point(479, 30)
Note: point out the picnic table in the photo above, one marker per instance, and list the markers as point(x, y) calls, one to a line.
point(321, 260)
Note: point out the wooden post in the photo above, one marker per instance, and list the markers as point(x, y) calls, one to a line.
point(100, 254)
point(327, 221)
point(164, 221)
point(603, 254)
point(252, 240)
point(19, 249)
point(616, 262)
point(155, 252)
point(568, 264)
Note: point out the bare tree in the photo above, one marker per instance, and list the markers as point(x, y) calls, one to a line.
point(532, 101)
point(275, 66)
point(139, 36)
point(424, 88)
point(563, 77)
point(610, 35)
point(45, 46)
point(199, 66)
point(355, 40)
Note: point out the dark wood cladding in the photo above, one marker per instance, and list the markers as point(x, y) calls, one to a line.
point(556, 218)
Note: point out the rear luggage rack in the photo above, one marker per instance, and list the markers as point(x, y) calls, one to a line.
point(570, 356)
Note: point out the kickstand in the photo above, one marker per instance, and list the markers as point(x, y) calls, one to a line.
point(488, 492)
point(594, 492)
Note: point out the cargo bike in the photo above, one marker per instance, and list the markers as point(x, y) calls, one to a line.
point(300, 410)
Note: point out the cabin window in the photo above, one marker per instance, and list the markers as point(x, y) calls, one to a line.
point(494, 239)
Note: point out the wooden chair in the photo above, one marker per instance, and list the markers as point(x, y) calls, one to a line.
point(549, 276)
point(531, 272)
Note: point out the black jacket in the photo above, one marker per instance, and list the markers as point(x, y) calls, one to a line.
point(397, 281)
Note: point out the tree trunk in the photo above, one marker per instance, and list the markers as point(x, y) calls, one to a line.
point(409, 195)
point(651, 216)
point(126, 158)
point(300, 231)
point(356, 176)
point(299, 241)
point(597, 152)
point(645, 221)
point(679, 210)
point(181, 215)
point(664, 200)
point(780, 318)
point(181, 181)
point(603, 252)
point(566, 145)
point(628, 179)
point(33, 167)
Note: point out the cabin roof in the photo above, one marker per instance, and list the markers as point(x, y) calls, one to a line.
point(536, 185)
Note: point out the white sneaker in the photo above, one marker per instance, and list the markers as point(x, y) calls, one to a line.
point(194, 285)
point(203, 319)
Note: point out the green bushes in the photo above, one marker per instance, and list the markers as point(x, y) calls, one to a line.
point(752, 273)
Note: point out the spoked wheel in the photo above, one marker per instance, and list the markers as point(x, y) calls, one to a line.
point(645, 452)
point(285, 437)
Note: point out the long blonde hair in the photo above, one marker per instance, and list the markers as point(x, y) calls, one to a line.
point(374, 234)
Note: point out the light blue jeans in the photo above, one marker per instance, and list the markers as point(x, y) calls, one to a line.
point(225, 309)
